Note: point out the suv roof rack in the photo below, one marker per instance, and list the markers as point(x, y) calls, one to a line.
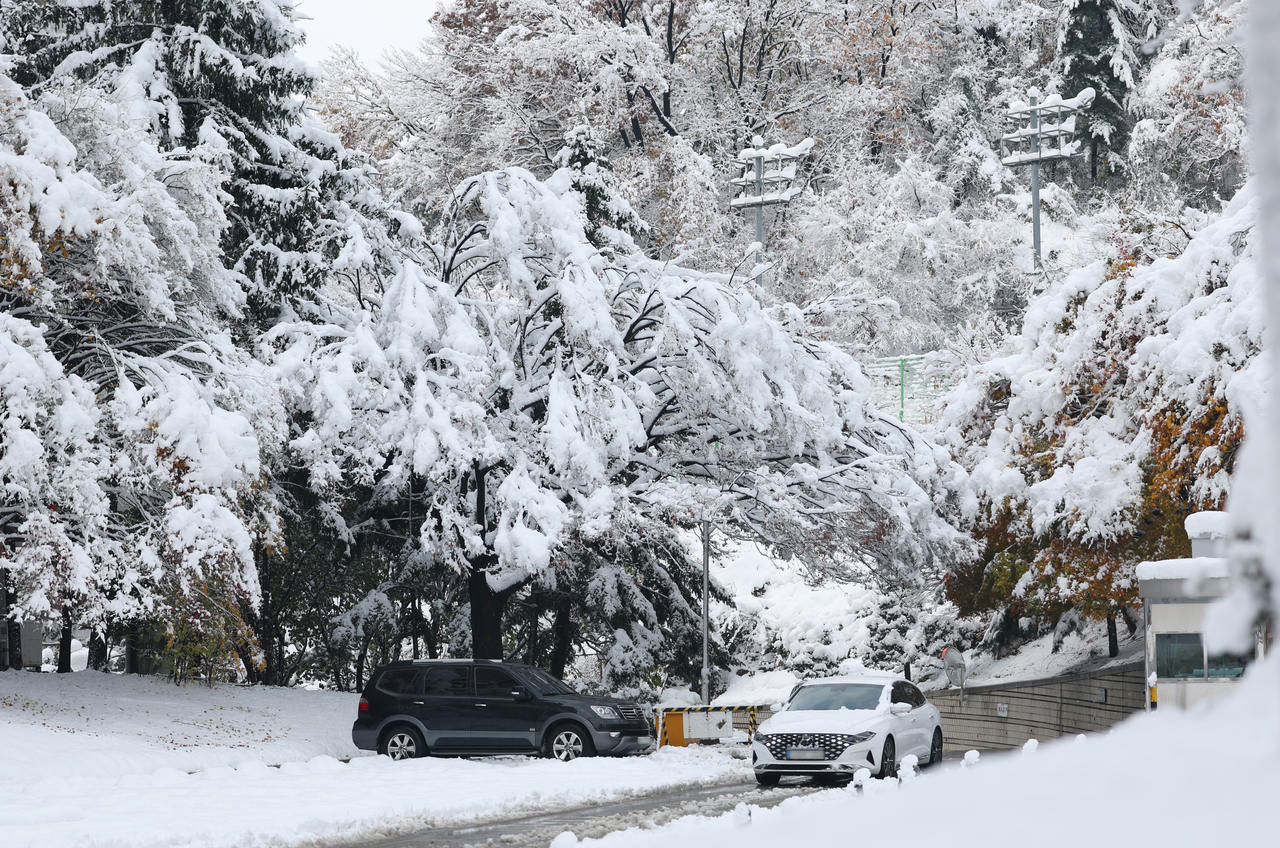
point(456, 660)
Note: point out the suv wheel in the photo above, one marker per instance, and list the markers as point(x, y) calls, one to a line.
point(568, 742)
point(403, 743)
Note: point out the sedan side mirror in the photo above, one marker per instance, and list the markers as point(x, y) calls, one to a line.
point(899, 708)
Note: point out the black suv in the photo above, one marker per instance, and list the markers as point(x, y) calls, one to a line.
point(414, 708)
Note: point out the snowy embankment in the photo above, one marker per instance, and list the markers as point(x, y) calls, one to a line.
point(1202, 778)
point(96, 760)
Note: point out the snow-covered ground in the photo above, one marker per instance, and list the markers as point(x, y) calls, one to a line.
point(825, 623)
point(93, 760)
point(1203, 778)
point(1084, 650)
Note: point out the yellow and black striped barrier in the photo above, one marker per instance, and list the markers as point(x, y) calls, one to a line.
point(673, 728)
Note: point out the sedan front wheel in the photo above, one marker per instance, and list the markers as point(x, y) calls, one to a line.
point(888, 760)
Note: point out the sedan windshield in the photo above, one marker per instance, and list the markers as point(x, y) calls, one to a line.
point(833, 696)
point(544, 683)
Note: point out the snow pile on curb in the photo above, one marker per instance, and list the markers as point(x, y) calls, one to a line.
point(90, 724)
point(96, 760)
point(1207, 777)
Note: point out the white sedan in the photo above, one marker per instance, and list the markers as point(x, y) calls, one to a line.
point(835, 726)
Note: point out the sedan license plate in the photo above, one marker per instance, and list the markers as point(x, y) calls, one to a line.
point(805, 754)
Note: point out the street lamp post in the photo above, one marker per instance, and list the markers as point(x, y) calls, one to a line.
point(1038, 132)
point(706, 609)
point(761, 187)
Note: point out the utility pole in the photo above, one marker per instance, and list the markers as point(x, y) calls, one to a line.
point(761, 188)
point(1038, 132)
point(706, 610)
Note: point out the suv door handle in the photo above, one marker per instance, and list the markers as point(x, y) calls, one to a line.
point(482, 705)
point(419, 702)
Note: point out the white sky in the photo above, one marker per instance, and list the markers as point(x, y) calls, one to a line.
point(368, 26)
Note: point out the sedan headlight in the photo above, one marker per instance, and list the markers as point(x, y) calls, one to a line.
point(760, 737)
point(605, 712)
point(859, 738)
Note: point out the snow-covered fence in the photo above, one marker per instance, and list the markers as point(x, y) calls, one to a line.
point(680, 726)
point(1006, 715)
point(901, 387)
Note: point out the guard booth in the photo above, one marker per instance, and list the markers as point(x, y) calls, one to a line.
point(1176, 594)
point(682, 726)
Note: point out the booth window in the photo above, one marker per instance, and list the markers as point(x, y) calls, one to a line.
point(1229, 665)
point(1179, 655)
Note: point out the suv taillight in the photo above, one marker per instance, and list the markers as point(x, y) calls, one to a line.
point(364, 705)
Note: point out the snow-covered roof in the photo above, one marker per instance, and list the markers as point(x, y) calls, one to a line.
point(1207, 525)
point(1189, 568)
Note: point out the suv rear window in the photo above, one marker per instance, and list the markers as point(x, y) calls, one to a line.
point(401, 681)
point(447, 681)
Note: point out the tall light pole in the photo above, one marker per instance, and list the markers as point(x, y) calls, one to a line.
point(706, 609)
point(765, 181)
point(1038, 132)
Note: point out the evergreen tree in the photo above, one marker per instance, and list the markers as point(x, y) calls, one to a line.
point(218, 82)
point(891, 641)
point(607, 215)
point(1099, 47)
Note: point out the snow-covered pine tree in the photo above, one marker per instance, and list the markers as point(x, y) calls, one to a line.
point(891, 635)
point(586, 161)
point(1099, 47)
point(217, 82)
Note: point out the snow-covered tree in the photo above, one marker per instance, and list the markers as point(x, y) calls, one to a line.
point(892, 634)
point(1099, 47)
point(218, 83)
point(1188, 142)
point(1116, 412)
point(111, 250)
point(541, 391)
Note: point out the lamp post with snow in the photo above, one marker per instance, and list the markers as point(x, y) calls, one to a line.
point(1038, 132)
point(766, 181)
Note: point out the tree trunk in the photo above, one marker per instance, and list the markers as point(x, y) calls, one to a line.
point(360, 658)
point(414, 615)
point(64, 643)
point(1113, 641)
point(561, 637)
point(531, 655)
point(1130, 621)
point(97, 651)
point(131, 649)
point(15, 644)
point(486, 613)
point(1093, 160)
point(14, 628)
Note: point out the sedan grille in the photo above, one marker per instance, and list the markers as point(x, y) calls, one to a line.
point(831, 744)
point(629, 712)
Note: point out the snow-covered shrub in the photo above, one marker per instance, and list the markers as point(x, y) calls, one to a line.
point(1116, 412)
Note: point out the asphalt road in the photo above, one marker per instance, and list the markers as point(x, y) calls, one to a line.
point(537, 831)
point(596, 820)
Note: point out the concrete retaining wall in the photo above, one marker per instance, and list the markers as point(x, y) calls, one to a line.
point(1039, 709)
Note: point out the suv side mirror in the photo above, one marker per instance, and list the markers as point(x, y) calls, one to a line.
point(899, 708)
point(522, 694)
